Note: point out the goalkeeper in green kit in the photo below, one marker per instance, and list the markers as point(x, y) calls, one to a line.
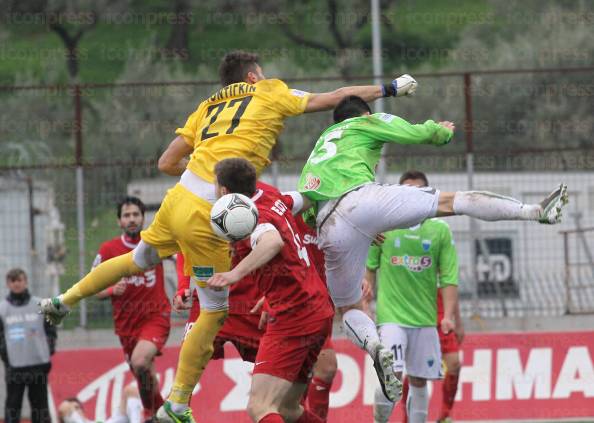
point(351, 209)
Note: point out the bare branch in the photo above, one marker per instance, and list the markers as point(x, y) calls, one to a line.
point(332, 10)
point(305, 42)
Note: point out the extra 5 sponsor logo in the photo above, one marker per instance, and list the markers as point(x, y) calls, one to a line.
point(412, 263)
point(148, 279)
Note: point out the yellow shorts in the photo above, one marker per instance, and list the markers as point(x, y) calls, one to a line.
point(183, 224)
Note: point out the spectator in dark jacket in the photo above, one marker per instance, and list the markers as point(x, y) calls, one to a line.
point(27, 342)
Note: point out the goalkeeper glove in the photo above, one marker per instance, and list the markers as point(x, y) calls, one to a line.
point(403, 85)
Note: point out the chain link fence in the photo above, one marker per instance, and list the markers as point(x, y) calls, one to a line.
point(519, 133)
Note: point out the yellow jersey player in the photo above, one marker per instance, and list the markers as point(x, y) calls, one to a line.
point(242, 119)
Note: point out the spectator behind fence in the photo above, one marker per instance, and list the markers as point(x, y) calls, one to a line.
point(26, 343)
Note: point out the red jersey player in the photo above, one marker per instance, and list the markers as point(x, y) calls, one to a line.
point(318, 392)
point(141, 309)
point(299, 307)
point(241, 327)
point(450, 351)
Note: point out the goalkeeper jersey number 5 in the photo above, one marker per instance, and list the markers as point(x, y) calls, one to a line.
point(346, 154)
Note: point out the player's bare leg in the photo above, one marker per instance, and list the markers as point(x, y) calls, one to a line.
point(101, 277)
point(266, 396)
point(361, 330)
point(318, 391)
point(273, 399)
point(142, 363)
point(493, 207)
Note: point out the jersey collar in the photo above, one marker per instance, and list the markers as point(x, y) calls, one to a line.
point(129, 242)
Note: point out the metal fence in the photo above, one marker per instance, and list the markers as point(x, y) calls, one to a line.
point(69, 152)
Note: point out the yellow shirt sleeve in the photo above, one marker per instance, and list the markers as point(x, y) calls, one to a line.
point(188, 132)
point(290, 102)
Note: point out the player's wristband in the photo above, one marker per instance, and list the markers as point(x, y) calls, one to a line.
point(389, 90)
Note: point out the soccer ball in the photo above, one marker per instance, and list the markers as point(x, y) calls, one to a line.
point(233, 217)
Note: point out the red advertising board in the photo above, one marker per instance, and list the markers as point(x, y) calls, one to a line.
point(518, 376)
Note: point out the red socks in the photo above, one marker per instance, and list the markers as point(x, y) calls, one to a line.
point(403, 400)
point(309, 417)
point(318, 397)
point(272, 418)
point(450, 387)
point(149, 393)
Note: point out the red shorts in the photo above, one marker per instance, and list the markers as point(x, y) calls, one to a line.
point(155, 330)
point(292, 357)
point(242, 331)
point(449, 342)
point(239, 329)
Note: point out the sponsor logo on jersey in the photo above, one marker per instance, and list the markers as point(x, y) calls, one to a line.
point(310, 239)
point(413, 263)
point(148, 279)
point(312, 182)
point(386, 117)
point(430, 362)
point(426, 243)
point(299, 93)
point(202, 274)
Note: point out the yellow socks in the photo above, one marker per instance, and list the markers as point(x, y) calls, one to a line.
point(195, 352)
point(101, 277)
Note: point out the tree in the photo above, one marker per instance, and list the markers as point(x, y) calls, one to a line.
point(344, 23)
point(71, 20)
point(177, 44)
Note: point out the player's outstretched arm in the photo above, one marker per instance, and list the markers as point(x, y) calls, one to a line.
point(268, 245)
point(404, 85)
point(174, 160)
point(394, 129)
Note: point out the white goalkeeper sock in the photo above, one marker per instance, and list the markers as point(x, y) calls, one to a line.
point(178, 408)
point(361, 330)
point(382, 407)
point(492, 207)
point(417, 404)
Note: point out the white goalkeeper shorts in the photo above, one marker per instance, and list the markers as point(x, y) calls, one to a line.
point(348, 225)
point(417, 351)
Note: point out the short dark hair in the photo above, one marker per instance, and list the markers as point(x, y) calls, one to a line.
point(237, 175)
point(130, 200)
point(351, 106)
point(235, 66)
point(15, 274)
point(414, 174)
